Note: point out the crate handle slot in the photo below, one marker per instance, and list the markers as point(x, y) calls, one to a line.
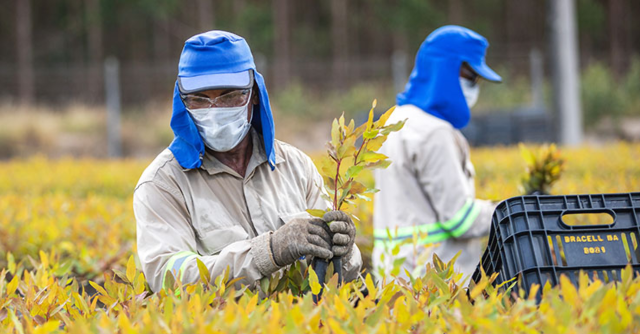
point(592, 218)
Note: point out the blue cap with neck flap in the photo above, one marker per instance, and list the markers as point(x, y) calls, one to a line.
point(434, 84)
point(213, 60)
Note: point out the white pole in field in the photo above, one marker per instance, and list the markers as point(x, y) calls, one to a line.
point(567, 77)
point(537, 79)
point(400, 70)
point(112, 91)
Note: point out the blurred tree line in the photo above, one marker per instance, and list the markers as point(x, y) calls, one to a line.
point(72, 33)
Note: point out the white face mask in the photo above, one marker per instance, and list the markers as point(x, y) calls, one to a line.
point(222, 129)
point(470, 91)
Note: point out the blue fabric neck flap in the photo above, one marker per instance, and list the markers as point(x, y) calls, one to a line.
point(434, 84)
point(209, 53)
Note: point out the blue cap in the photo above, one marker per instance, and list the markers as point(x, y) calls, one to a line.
point(470, 46)
point(434, 84)
point(213, 60)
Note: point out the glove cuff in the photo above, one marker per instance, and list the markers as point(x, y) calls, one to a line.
point(262, 255)
point(347, 257)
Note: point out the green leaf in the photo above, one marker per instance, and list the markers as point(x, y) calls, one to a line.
point(353, 171)
point(13, 285)
point(368, 281)
point(392, 128)
point(347, 148)
point(264, 285)
point(376, 143)
point(296, 276)
point(121, 274)
point(282, 285)
point(335, 133)
point(313, 282)
point(371, 156)
point(305, 285)
point(64, 268)
point(328, 169)
point(204, 271)
point(169, 281)
point(363, 197)
point(131, 269)
point(329, 273)
point(527, 155)
point(316, 212)
point(370, 134)
point(273, 284)
point(382, 164)
point(357, 188)
point(98, 288)
point(329, 182)
point(11, 265)
point(440, 283)
point(370, 119)
point(384, 117)
point(359, 130)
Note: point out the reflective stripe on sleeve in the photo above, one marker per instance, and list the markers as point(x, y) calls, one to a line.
point(177, 263)
point(436, 232)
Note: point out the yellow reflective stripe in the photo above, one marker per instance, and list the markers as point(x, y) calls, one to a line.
point(460, 216)
point(177, 263)
point(454, 227)
point(474, 211)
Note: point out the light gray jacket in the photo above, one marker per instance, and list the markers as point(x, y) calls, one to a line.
point(213, 214)
point(428, 190)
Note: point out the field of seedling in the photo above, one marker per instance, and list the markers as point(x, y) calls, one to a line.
point(67, 253)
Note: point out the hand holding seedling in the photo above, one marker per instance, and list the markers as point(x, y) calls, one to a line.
point(340, 169)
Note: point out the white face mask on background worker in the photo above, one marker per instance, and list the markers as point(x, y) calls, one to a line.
point(470, 90)
point(469, 84)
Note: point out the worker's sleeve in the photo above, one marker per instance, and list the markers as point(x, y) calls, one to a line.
point(167, 243)
point(448, 188)
point(482, 224)
point(315, 188)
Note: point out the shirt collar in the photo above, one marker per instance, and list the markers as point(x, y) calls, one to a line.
point(258, 157)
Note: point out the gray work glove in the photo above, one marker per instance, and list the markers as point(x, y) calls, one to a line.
point(301, 237)
point(344, 233)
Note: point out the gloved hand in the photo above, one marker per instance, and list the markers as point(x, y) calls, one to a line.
point(301, 236)
point(344, 232)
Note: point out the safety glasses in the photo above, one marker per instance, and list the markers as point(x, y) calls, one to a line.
point(235, 98)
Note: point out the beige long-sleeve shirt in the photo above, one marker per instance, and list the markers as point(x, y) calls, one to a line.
point(428, 189)
point(213, 214)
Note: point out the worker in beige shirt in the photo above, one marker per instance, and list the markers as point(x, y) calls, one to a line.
point(428, 190)
point(225, 191)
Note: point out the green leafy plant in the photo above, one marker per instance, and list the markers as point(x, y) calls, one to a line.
point(544, 167)
point(37, 301)
point(350, 152)
point(346, 160)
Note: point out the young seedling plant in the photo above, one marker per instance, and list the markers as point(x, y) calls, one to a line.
point(544, 167)
point(350, 152)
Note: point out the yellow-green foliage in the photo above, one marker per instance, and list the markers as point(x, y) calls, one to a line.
point(81, 208)
point(38, 302)
point(67, 221)
point(544, 167)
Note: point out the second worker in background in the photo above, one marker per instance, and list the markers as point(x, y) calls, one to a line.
point(429, 187)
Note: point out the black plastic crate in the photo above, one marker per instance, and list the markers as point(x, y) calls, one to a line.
point(529, 239)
